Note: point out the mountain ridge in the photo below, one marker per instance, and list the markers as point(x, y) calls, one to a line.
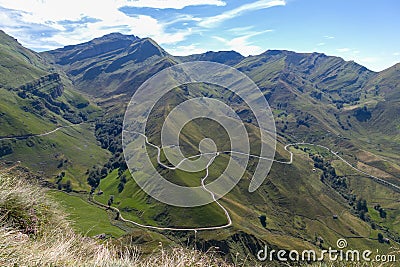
point(306, 67)
point(314, 98)
point(205, 55)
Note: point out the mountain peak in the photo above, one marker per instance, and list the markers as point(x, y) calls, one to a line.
point(145, 48)
point(116, 36)
point(110, 43)
point(9, 40)
point(223, 57)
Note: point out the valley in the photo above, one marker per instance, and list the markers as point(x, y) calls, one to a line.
point(335, 173)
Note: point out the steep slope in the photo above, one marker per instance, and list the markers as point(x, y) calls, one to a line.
point(19, 65)
point(41, 92)
point(112, 66)
point(385, 89)
point(112, 43)
point(37, 100)
point(322, 99)
point(323, 77)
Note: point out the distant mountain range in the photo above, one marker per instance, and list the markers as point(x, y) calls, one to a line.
point(315, 98)
point(115, 65)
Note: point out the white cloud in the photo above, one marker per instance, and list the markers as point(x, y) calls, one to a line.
point(57, 9)
point(211, 22)
point(320, 44)
point(247, 31)
point(241, 30)
point(176, 4)
point(329, 37)
point(48, 24)
point(343, 50)
point(182, 18)
point(242, 45)
point(184, 50)
point(396, 54)
point(47, 12)
point(58, 16)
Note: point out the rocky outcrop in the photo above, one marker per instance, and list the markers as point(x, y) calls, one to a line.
point(48, 87)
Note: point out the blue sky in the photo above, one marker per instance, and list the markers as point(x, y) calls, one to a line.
point(366, 31)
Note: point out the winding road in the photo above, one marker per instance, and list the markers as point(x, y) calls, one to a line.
point(229, 220)
point(377, 179)
point(26, 136)
point(215, 155)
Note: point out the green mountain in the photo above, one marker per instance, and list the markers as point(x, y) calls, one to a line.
point(112, 66)
point(223, 57)
point(37, 99)
point(315, 98)
point(17, 60)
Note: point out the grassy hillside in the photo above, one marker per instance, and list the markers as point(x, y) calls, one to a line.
point(223, 57)
point(35, 98)
point(299, 206)
point(35, 232)
point(326, 100)
point(88, 219)
point(19, 65)
point(314, 98)
point(69, 151)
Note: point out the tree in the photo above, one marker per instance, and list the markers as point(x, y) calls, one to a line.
point(94, 177)
point(362, 215)
point(380, 238)
point(122, 182)
point(93, 181)
point(110, 200)
point(382, 213)
point(362, 205)
point(121, 187)
point(68, 186)
point(122, 168)
point(263, 220)
point(104, 172)
point(5, 148)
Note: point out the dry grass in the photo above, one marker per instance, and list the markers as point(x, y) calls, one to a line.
point(34, 232)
